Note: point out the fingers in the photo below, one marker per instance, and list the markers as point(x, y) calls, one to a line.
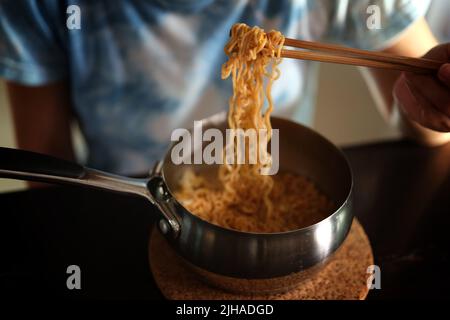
point(426, 99)
point(432, 89)
point(418, 108)
point(444, 74)
point(439, 53)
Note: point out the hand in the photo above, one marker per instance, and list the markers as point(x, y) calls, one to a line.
point(425, 99)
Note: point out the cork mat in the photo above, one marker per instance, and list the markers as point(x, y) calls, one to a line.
point(344, 277)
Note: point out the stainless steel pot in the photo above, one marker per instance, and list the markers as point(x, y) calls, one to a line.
point(239, 261)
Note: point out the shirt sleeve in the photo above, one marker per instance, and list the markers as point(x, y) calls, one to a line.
point(31, 49)
point(354, 22)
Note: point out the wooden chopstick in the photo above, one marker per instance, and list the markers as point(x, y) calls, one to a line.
point(358, 57)
point(316, 56)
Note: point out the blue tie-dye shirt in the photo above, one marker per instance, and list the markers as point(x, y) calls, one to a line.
point(139, 69)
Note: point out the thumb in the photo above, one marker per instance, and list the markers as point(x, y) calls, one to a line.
point(444, 74)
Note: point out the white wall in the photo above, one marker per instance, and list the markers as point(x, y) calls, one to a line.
point(346, 113)
point(7, 138)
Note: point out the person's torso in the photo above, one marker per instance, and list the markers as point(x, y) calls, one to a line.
point(140, 69)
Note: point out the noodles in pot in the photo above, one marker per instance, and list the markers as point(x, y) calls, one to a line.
point(245, 198)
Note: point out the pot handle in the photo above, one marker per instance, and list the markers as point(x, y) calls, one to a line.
point(164, 201)
point(27, 165)
point(14, 160)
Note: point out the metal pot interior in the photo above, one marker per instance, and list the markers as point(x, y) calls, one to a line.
point(302, 151)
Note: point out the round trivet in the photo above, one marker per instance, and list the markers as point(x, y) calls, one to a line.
point(344, 277)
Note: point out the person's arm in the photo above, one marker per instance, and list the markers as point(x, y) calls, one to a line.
point(416, 41)
point(42, 118)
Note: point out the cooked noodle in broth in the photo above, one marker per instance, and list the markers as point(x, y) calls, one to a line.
point(245, 198)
